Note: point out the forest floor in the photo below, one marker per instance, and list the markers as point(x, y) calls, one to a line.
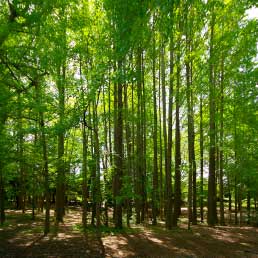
point(22, 237)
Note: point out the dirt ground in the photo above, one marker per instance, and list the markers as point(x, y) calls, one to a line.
point(22, 237)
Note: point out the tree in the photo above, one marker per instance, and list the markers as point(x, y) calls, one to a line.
point(212, 217)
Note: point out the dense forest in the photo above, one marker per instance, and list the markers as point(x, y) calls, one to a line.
point(138, 111)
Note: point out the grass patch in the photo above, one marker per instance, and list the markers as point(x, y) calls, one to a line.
point(6, 224)
point(33, 230)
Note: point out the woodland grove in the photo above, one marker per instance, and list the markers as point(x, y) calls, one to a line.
point(135, 110)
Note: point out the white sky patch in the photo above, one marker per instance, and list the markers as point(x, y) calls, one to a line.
point(72, 44)
point(252, 13)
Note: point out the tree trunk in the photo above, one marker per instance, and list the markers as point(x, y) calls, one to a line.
point(44, 155)
point(139, 147)
point(155, 136)
point(129, 175)
point(161, 190)
point(22, 187)
point(248, 207)
point(212, 178)
point(97, 164)
point(169, 151)
point(105, 159)
point(190, 156)
point(168, 192)
point(2, 195)
point(177, 203)
point(236, 200)
point(85, 157)
point(221, 153)
point(34, 175)
point(46, 174)
point(118, 148)
point(60, 187)
point(92, 167)
point(84, 172)
point(194, 218)
point(143, 132)
point(201, 157)
point(2, 185)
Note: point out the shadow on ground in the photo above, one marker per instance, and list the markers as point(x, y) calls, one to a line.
point(22, 237)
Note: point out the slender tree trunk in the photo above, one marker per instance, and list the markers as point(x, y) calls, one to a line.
point(160, 149)
point(169, 151)
point(155, 136)
point(134, 158)
point(22, 192)
point(46, 174)
point(97, 164)
point(2, 195)
point(168, 192)
point(93, 170)
point(60, 187)
point(236, 189)
point(34, 175)
point(43, 139)
point(85, 156)
point(118, 150)
point(194, 218)
point(109, 121)
point(201, 157)
point(114, 179)
point(190, 156)
point(248, 207)
point(240, 205)
point(143, 155)
point(236, 197)
point(229, 195)
point(105, 159)
point(2, 185)
point(221, 153)
point(139, 147)
point(177, 204)
point(211, 180)
point(84, 172)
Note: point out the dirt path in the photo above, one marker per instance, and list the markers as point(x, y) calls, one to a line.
point(22, 237)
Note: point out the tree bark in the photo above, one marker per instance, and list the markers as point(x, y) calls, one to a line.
point(161, 190)
point(221, 153)
point(144, 207)
point(212, 177)
point(84, 172)
point(43, 139)
point(190, 156)
point(97, 164)
point(2, 195)
point(105, 159)
point(139, 140)
point(155, 135)
point(118, 148)
point(60, 184)
point(177, 187)
point(169, 151)
point(201, 158)
point(22, 187)
point(2, 184)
